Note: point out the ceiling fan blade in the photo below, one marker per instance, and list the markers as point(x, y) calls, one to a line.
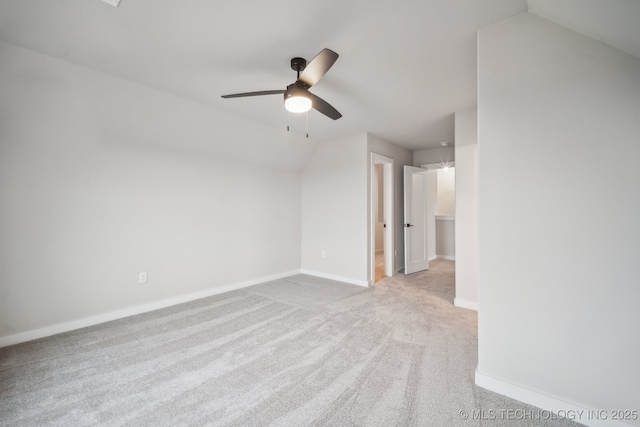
point(263, 92)
point(318, 67)
point(324, 107)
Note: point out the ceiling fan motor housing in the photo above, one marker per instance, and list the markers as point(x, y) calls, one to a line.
point(298, 64)
point(296, 89)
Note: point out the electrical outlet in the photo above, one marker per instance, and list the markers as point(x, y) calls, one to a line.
point(324, 254)
point(142, 277)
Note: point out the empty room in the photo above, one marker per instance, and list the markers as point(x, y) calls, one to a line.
point(338, 213)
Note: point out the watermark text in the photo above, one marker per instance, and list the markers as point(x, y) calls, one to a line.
point(541, 414)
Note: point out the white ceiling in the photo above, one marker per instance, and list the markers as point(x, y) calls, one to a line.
point(613, 22)
point(405, 66)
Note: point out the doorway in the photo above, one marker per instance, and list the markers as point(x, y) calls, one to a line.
point(382, 248)
point(429, 215)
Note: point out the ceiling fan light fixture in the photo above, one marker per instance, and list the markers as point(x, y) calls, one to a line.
point(297, 98)
point(297, 104)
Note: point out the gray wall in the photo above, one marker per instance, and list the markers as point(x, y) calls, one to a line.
point(466, 208)
point(101, 179)
point(433, 155)
point(335, 207)
point(559, 194)
point(334, 210)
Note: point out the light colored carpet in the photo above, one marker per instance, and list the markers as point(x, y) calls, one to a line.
point(294, 352)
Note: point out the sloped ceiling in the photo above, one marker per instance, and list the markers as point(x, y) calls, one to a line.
point(405, 67)
point(613, 22)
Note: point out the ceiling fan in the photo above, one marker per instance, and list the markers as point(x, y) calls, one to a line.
point(297, 98)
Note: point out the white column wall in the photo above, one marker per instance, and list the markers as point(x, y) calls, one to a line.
point(466, 208)
point(559, 194)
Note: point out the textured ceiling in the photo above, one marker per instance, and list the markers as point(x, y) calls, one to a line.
point(405, 67)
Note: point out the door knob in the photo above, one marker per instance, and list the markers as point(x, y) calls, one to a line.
point(408, 225)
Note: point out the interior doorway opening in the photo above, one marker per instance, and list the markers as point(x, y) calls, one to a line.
point(382, 248)
point(442, 218)
point(379, 221)
point(429, 215)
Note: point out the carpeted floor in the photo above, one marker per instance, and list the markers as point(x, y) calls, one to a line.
point(294, 352)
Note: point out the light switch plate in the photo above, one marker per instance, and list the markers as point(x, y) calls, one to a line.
point(113, 3)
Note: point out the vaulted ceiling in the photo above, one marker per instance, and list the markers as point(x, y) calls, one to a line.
point(405, 66)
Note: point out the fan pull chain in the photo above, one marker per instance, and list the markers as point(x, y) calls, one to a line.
point(288, 120)
point(307, 114)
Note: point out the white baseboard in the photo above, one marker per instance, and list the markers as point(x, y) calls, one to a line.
point(563, 409)
point(471, 305)
point(131, 311)
point(364, 283)
point(447, 257)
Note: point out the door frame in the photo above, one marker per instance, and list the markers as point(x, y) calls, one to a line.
point(389, 207)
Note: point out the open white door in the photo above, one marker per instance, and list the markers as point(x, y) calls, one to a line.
point(388, 219)
point(416, 256)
